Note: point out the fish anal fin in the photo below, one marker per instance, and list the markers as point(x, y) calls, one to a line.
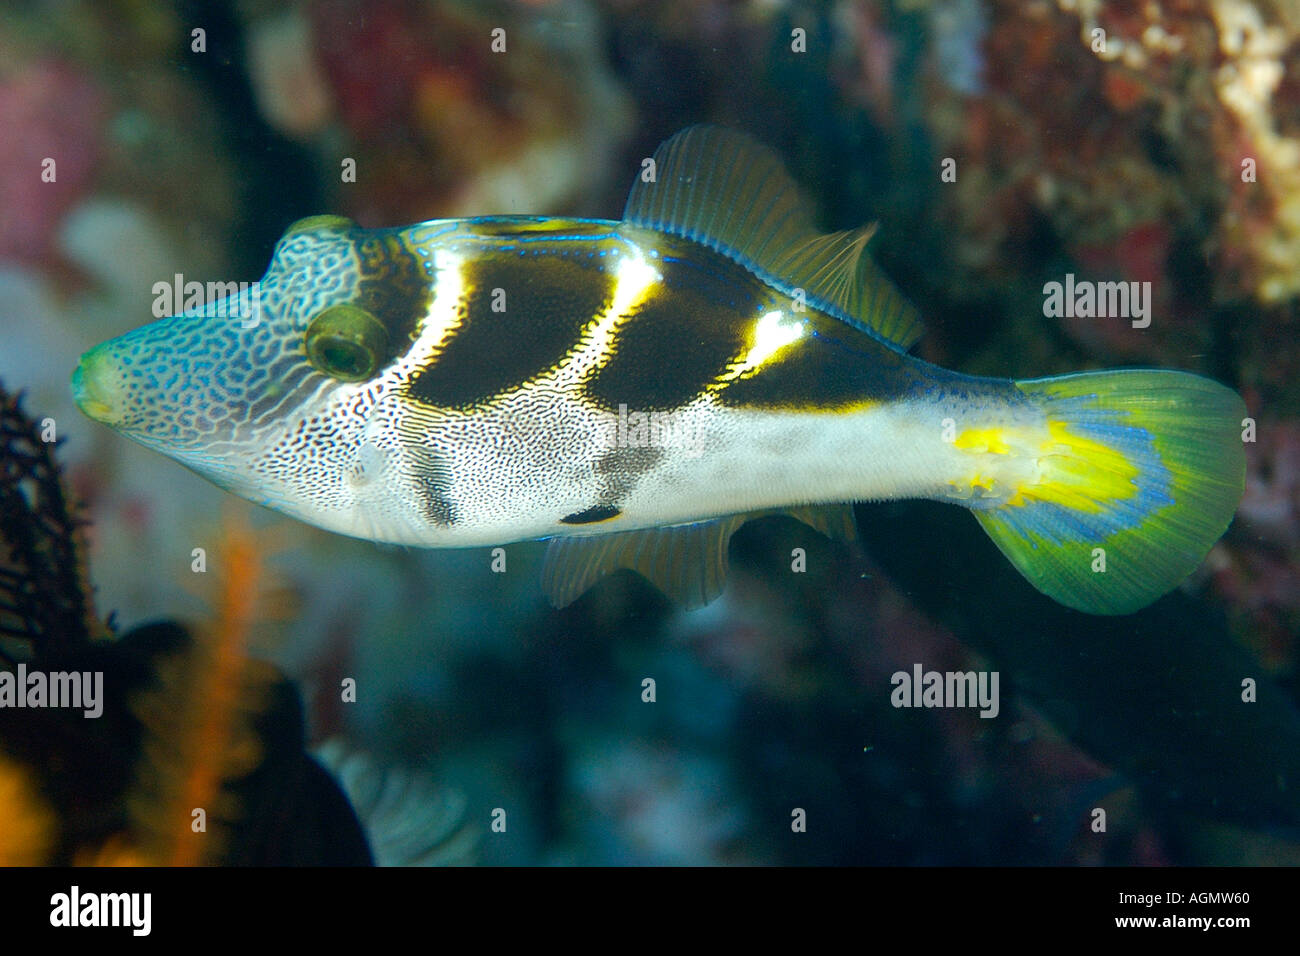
point(834, 521)
point(687, 562)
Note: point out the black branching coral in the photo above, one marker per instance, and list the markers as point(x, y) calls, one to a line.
point(191, 752)
point(42, 591)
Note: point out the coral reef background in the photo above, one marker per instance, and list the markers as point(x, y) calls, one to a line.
point(1149, 141)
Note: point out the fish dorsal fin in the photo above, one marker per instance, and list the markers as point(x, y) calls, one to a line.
point(725, 191)
point(687, 562)
point(721, 189)
point(837, 269)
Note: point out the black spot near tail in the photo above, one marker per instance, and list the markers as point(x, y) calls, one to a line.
point(592, 515)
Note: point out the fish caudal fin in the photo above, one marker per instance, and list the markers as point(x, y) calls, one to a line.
point(1139, 476)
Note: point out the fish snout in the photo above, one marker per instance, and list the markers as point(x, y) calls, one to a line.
point(97, 386)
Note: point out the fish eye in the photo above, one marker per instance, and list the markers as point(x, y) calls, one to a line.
point(346, 342)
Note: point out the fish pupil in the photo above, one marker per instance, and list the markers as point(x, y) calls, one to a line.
point(343, 359)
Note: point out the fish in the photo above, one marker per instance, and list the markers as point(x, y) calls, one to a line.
point(633, 391)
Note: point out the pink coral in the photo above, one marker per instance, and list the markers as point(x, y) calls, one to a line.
point(49, 111)
point(1258, 575)
point(1271, 505)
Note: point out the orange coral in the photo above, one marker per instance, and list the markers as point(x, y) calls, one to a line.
point(28, 831)
point(198, 721)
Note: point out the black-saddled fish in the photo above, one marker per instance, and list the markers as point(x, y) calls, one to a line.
point(636, 390)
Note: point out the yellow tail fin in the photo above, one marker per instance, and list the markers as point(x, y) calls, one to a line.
point(1141, 476)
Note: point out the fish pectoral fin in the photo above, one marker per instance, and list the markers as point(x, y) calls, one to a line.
point(834, 521)
point(687, 562)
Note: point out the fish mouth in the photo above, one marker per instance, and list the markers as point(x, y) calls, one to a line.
point(96, 388)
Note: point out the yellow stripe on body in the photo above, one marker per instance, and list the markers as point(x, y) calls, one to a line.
point(444, 315)
point(634, 281)
point(771, 334)
point(783, 347)
point(441, 321)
